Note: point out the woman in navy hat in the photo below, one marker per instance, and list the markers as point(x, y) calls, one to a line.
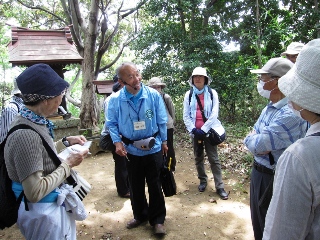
point(29, 165)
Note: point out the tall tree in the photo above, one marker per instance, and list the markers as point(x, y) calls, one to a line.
point(97, 27)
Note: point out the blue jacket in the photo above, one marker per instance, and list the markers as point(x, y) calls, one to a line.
point(124, 109)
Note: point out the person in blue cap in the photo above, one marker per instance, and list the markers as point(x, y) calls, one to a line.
point(28, 163)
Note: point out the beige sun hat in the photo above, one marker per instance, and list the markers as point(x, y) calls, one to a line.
point(199, 71)
point(302, 83)
point(275, 66)
point(293, 48)
point(155, 81)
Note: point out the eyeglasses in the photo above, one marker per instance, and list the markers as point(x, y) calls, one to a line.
point(156, 87)
point(198, 76)
point(261, 78)
point(63, 92)
point(137, 75)
point(289, 56)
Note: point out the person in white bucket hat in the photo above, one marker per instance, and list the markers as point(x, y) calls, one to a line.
point(293, 51)
point(199, 128)
point(275, 130)
point(294, 211)
point(10, 111)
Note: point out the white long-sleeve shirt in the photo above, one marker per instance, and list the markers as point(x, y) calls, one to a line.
point(294, 211)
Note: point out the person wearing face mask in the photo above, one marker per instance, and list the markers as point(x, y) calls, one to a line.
point(294, 211)
point(276, 129)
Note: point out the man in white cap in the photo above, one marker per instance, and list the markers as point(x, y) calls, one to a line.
point(9, 113)
point(293, 51)
point(199, 127)
point(276, 129)
point(294, 211)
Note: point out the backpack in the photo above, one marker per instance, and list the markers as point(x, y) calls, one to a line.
point(191, 92)
point(9, 205)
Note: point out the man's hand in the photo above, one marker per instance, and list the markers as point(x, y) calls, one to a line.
point(120, 149)
point(164, 148)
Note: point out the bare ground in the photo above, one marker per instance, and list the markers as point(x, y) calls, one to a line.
point(190, 214)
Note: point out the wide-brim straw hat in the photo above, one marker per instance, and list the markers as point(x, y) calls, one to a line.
point(302, 83)
point(155, 81)
point(293, 48)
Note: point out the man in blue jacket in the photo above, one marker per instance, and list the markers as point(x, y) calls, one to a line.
point(137, 123)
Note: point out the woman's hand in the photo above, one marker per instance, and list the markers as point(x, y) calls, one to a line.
point(80, 139)
point(75, 158)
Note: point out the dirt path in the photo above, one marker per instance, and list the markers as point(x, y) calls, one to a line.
point(190, 214)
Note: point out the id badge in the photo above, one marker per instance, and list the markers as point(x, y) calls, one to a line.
point(139, 125)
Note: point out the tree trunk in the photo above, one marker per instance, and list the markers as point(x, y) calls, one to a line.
point(258, 34)
point(317, 13)
point(88, 114)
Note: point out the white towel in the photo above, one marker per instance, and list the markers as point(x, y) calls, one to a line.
point(72, 202)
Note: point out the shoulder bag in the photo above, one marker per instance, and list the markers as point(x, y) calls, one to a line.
point(168, 183)
point(214, 137)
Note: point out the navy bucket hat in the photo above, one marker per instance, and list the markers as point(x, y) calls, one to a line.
point(40, 79)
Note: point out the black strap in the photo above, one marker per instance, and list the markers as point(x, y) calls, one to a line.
point(51, 153)
point(315, 134)
point(271, 158)
point(201, 108)
point(191, 92)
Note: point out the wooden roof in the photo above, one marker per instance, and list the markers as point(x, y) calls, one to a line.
point(42, 46)
point(103, 87)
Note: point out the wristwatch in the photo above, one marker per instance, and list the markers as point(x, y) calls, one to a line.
point(164, 142)
point(65, 142)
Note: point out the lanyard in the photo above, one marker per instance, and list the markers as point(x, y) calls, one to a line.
point(133, 108)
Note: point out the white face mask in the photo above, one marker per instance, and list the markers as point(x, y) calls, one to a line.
point(261, 91)
point(295, 112)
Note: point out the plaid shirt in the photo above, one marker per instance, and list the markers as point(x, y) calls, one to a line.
point(8, 115)
point(276, 129)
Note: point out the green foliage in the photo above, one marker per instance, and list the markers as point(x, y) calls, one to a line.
point(178, 35)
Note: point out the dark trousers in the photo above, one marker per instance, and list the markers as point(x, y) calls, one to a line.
point(258, 184)
point(144, 169)
point(171, 154)
point(121, 174)
point(199, 145)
